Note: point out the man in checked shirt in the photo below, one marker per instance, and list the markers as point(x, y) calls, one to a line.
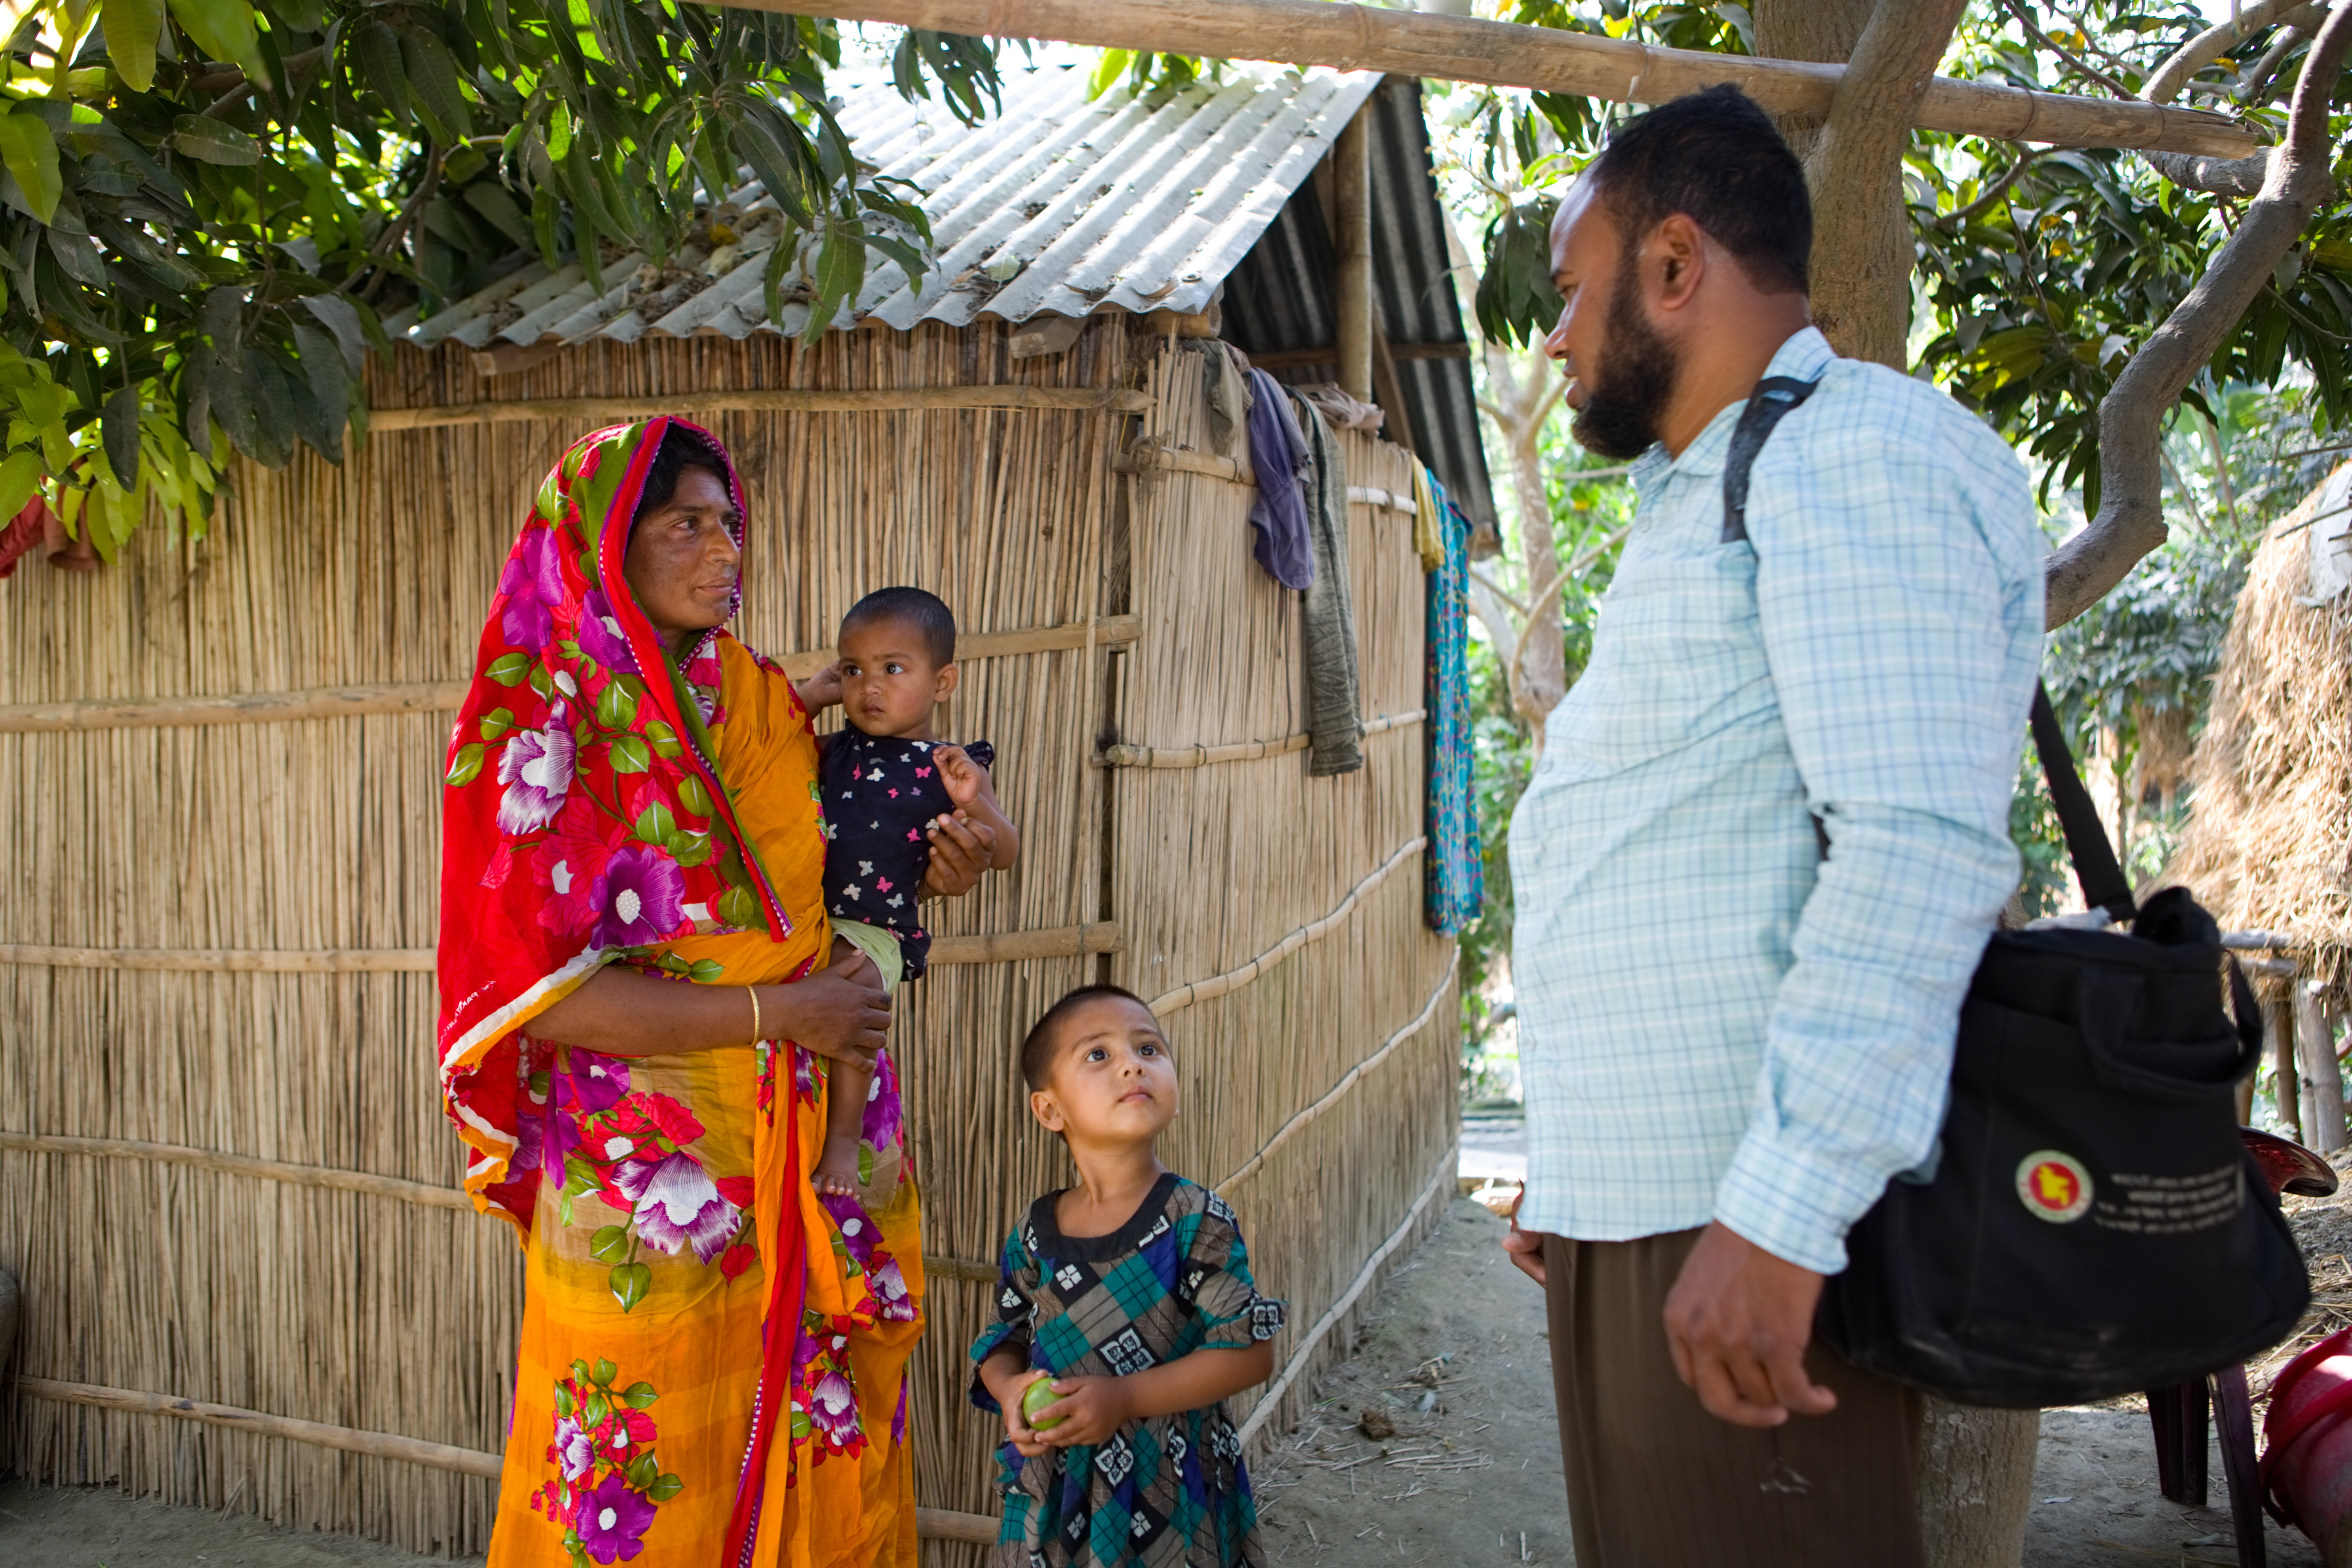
point(1757, 864)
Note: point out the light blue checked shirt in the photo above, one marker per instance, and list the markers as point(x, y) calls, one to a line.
point(1714, 1022)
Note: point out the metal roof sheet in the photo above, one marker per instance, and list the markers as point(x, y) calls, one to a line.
point(1057, 205)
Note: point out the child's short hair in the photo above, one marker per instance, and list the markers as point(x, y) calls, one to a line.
point(1038, 1046)
point(926, 612)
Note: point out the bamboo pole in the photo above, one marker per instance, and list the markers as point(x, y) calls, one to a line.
point(448, 696)
point(1351, 249)
point(1271, 1400)
point(381, 1445)
point(2322, 1078)
point(1216, 985)
point(1547, 59)
point(947, 1524)
point(1125, 756)
point(781, 400)
point(2286, 1075)
point(1356, 1075)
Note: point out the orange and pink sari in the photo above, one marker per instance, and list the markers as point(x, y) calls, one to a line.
point(712, 1365)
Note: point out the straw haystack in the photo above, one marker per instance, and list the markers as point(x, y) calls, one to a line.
point(2269, 842)
point(224, 1179)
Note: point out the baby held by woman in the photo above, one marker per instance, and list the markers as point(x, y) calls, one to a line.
point(887, 779)
point(1125, 1317)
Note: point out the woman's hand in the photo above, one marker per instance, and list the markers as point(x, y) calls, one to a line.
point(1086, 1412)
point(841, 1010)
point(961, 850)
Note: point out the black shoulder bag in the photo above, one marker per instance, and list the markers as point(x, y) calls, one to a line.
point(2089, 1222)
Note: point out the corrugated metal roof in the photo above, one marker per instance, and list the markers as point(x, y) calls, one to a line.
point(1280, 298)
point(1057, 205)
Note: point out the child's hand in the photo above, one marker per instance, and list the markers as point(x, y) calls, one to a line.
point(1028, 1444)
point(1088, 1412)
point(962, 776)
point(821, 690)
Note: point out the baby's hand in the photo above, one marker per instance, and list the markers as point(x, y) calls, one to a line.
point(821, 690)
point(961, 775)
point(1025, 1442)
point(1088, 1411)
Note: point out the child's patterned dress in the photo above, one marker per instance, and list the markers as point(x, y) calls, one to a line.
point(1165, 1491)
point(879, 792)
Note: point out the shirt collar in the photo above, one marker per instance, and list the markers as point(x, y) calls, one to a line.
point(1803, 357)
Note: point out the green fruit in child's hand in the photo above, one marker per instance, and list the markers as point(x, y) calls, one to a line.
point(1036, 1397)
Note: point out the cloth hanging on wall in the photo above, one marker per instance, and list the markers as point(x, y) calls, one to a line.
point(1278, 451)
point(1457, 874)
point(1332, 702)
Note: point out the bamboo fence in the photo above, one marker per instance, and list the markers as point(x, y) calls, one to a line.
point(225, 1176)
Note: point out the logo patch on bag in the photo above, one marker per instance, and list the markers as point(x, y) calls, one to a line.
point(2054, 1186)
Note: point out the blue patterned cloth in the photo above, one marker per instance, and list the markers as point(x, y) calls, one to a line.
point(1457, 877)
point(1165, 1491)
point(1715, 1022)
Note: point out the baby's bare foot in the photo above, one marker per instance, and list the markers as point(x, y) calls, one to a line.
point(836, 1173)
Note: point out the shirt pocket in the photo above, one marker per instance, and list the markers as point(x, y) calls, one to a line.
point(1678, 655)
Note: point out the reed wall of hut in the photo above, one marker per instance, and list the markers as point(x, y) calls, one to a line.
point(225, 1179)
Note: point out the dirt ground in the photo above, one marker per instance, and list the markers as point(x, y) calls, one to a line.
point(1472, 1475)
point(1453, 1358)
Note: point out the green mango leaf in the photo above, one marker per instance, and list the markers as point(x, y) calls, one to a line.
point(20, 475)
point(432, 77)
point(610, 1244)
point(630, 1282)
point(638, 1396)
point(28, 149)
point(323, 369)
point(495, 202)
point(78, 256)
point(840, 273)
point(223, 29)
point(655, 823)
point(508, 669)
point(118, 432)
point(629, 754)
point(132, 28)
point(465, 765)
point(341, 318)
point(380, 61)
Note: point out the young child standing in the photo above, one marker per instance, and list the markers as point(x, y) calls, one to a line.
point(887, 778)
point(1132, 1292)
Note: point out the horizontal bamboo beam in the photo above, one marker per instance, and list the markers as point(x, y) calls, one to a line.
point(428, 1194)
point(1354, 1076)
point(1547, 59)
point(448, 696)
point(1294, 359)
point(2260, 941)
point(1149, 456)
point(1216, 985)
point(227, 960)
point(992, 947)
point(1373, 494)
point(1268, 1401)
point(777, 400)
point(930, 1523)
point(947, 1524)
point(380, 1444)
point(1239, 751)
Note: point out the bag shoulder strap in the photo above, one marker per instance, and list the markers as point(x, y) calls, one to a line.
point(1774, 398)
point(2105, 886)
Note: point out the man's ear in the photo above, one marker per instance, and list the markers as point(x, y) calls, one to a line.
point(1045, 1109)
point(1676, 255)
point(950, 674)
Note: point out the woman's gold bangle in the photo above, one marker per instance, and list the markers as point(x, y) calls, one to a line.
point(756, 1036)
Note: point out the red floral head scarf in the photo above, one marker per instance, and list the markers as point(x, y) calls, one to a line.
point(584, 818)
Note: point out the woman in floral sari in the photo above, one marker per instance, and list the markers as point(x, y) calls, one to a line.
point(638, 981)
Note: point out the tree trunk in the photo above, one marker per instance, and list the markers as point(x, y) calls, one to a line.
point(1525, 389)
point(1975, 1484)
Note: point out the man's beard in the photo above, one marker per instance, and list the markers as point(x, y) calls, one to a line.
point(1636, 377)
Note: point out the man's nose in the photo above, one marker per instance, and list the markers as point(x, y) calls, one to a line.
point(1556, 340)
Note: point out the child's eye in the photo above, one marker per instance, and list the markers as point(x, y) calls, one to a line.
point(897, 669)
point(1097, 1055)
point(1146, 1049)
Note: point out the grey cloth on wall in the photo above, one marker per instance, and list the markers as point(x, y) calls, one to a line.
point(1226, 394)
point(1333, 708)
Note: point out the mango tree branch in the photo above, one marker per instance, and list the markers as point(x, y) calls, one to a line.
point(1549, 60)
point(1862, 237)
point(2130, 521)
point(2165, 82)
